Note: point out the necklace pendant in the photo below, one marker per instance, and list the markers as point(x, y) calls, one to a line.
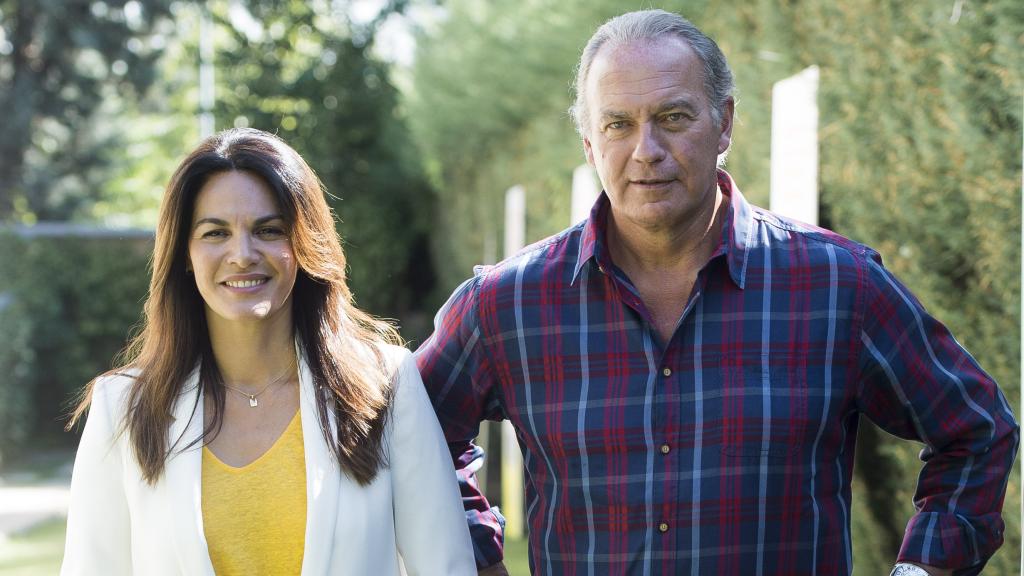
point(253, 402)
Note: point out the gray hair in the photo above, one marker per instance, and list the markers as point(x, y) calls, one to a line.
point(648, 25)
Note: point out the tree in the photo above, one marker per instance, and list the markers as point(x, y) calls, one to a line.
point(305, 73)
point(58, 58)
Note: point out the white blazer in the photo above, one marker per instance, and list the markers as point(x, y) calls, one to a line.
point(118, 524)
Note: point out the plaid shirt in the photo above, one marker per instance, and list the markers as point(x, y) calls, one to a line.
point(728, 449)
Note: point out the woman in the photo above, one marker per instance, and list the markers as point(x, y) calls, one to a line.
point(262, 424)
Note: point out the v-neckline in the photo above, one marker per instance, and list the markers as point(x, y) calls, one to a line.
point(254, 461)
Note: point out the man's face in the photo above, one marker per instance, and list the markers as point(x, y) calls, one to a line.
point(651, 134)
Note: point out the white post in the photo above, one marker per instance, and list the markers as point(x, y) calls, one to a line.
point(206, 93)
point(484, 436)
point(490, 247)
point(584, 192)
point(511, 457)
point(515, 220)
point(794, 153)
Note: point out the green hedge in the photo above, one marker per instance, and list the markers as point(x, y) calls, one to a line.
point(71, 302)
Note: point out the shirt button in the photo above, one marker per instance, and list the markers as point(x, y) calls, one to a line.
point(663, 527)
point(665, 449)
point(666, 371)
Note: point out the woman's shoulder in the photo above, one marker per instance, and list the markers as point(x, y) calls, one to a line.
point(112, 387)
point(394, 355)
point(399, 364)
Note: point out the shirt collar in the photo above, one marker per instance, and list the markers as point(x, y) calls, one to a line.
point(735, 243)
point(592, 238)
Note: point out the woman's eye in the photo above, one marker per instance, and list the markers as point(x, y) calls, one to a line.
point(270, 231)
point(214, 234)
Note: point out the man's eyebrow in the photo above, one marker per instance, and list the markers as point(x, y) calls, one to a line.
point(685, 104)
point(220, 222)
point(614, 115)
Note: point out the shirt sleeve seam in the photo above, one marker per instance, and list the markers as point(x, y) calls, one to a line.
point(860, 307)
point(482, 341)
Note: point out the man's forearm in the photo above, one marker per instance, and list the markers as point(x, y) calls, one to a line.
point(494, 570)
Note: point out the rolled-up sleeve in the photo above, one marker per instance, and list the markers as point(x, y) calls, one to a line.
point(918, 383)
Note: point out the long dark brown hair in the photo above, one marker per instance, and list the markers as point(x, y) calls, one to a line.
point(341, 343)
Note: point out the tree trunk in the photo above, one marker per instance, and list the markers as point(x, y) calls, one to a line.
point(18, 108)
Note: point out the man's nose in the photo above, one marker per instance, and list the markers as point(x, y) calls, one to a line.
point(649, 147)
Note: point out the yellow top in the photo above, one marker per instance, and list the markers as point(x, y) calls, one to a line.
point(254, 517)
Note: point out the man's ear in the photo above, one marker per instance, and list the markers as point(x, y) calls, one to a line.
point(725, 139)
point(588, 150)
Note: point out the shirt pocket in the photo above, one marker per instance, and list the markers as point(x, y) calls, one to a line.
point(765, 413)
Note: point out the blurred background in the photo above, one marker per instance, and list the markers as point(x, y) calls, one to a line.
point(418, 116)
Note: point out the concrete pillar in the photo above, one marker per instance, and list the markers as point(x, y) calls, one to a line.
point(585, 190)
point(511, 457)
point(794, 154)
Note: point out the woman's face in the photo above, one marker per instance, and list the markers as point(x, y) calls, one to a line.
point(240, 250)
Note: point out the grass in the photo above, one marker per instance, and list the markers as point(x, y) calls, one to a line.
point(39, 551)
point(35, 552)
point(516, 558)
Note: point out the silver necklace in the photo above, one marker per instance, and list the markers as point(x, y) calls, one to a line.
point(253, 402)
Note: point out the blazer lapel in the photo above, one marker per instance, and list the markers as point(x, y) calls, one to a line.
point(183, 478)
point(322, 479)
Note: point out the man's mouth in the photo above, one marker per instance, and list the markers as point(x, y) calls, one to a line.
point(651, 181)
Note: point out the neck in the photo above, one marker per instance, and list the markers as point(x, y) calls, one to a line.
point(688, 244)
point(249, 353)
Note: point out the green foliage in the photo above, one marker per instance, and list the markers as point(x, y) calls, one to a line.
point(312, 82)
point(16, 358)
point(71, 303)
point(148, 136)
point(920, 157)
point(489, 112)
point(59, 63)
point(104, 148)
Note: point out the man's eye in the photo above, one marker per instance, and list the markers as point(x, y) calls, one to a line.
point(675, 117)
point(619, 125)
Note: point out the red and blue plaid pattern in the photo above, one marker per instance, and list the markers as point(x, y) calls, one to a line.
point(728, 449)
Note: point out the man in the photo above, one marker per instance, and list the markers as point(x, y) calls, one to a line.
point(685, 372)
